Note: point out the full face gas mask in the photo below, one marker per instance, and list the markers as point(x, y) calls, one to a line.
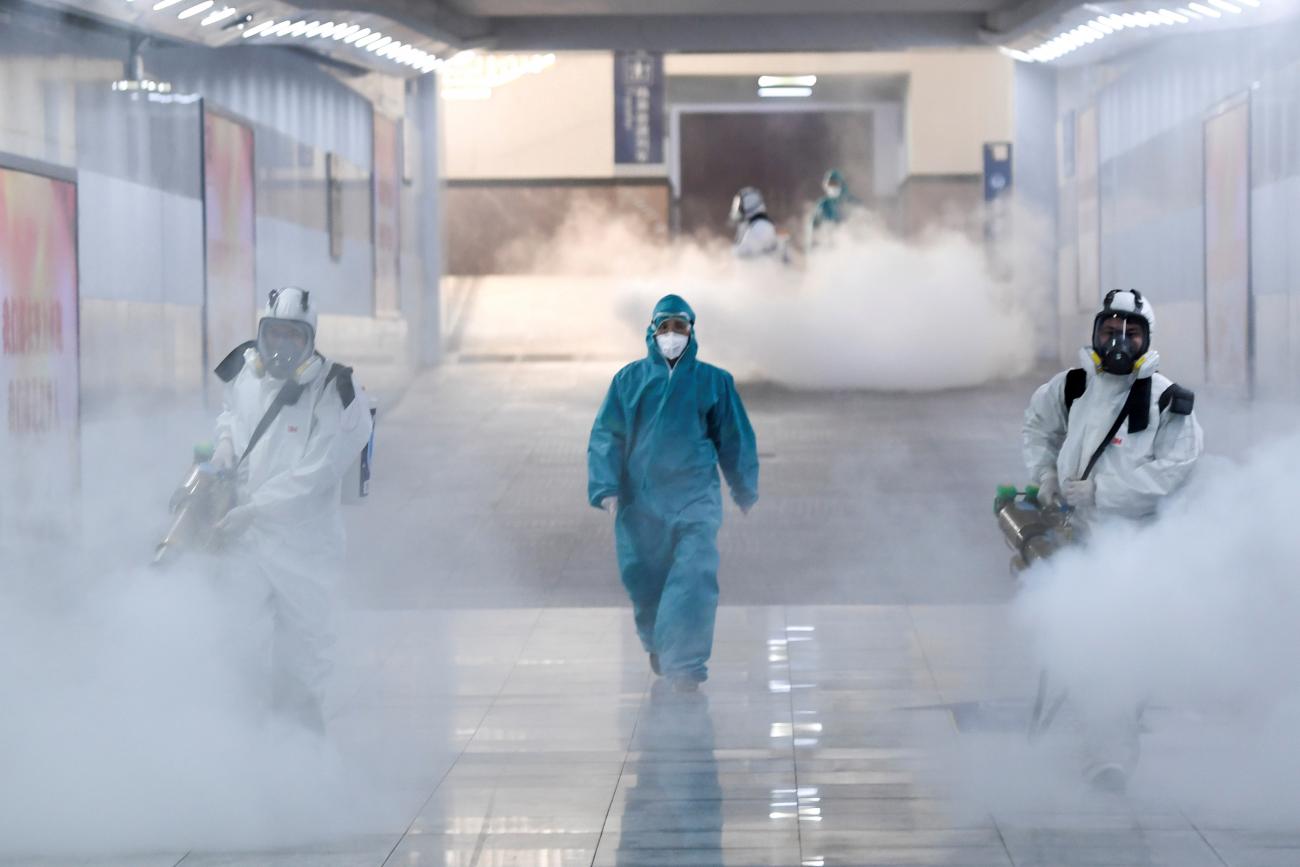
point(286, 334)
point(283, 345)
point(747, 204)
point(1121, 334)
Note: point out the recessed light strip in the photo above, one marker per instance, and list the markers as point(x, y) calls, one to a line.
point(349, 34)
point(1105, 25)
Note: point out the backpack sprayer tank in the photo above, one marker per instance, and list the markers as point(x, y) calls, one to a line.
point(202, 500)
point(1034, 531)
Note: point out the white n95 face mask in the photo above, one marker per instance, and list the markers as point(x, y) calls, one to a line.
point(672, 345)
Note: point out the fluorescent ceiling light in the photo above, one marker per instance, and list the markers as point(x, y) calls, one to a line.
point(375, 46)
point(253, 31)
point(219, 15)
point(787, 80)
point(373, 37)
point(163, 4)
point(196, 9)
point(784, 91)
point(356, 34)
point(1101, 27)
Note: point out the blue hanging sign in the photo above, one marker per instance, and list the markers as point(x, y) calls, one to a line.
point(638, 108)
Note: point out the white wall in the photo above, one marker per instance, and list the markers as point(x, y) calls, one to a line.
point(1151, 108)
point(558, 123)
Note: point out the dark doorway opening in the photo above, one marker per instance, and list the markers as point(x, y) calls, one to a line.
point(784, 154)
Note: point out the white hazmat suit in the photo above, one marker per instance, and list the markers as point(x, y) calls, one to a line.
point(756, 234)
point(756, 238)
point(1140, 467)
point(288, 536)
point(1149, 457)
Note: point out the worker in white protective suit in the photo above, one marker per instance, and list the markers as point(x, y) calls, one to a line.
point(756, 234)
point(285, 536)
point(1078, 448)
point(1111, 439)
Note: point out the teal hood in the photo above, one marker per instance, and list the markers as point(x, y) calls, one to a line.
point(670, 307)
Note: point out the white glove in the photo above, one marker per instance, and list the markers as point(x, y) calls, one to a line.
point(235, 523)
point(223, 456)
point(1080, 493)
point(1049, 490)
point(610, 504)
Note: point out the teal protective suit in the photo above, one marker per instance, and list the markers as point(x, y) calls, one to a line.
point(657, 443)
point(833, 209)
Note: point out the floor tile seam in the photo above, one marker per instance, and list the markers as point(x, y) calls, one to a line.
point(1206, 840)
point(925, 654)
point(997, 826)
point(461, 754)
point(631, 741)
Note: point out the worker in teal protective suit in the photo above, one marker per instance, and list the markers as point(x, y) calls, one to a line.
point(831, 209)
point(668, 422)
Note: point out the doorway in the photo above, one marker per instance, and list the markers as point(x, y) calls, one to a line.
point(783, 153)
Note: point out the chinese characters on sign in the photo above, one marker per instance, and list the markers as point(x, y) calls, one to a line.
point(39, 352)
point(638, 108)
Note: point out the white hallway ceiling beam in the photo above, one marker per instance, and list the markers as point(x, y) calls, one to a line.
point(957, 25)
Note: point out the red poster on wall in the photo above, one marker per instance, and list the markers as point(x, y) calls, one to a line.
point(230, 224)
point(387, 232)
point(39, 352)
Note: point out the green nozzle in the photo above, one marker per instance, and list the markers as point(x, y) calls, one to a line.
point(1031, 491)
point(1004, 495)
point(203, 452)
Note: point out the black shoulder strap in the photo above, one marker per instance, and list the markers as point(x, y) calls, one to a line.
point(1076, 383)
point(1137, 410)
point(1114, 429)
point(1177, 399)
point(342, 378)
point(1139, 405)
point(230, 366)
point(287, 395)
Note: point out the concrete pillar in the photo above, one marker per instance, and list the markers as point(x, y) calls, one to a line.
point(428, 329)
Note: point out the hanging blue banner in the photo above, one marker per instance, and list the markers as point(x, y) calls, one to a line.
point(638, 108)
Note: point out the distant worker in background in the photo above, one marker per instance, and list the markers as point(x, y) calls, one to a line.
point(292, 426)
point(831, 210)
point(1111, 439)
point(666, 425)
point(756, 234)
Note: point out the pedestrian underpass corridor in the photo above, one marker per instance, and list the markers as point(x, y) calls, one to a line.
point(867, 696)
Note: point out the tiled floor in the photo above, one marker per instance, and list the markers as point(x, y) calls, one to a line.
point(492, 706)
